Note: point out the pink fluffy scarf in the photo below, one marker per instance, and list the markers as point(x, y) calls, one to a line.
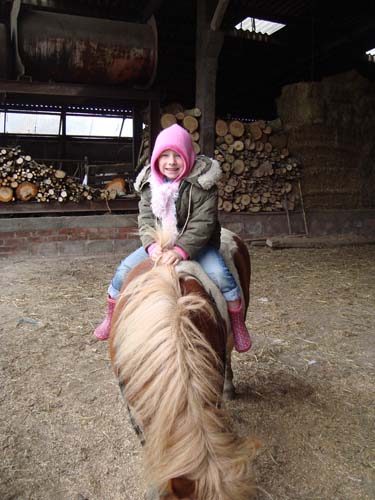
point(163, 205)
point(165, 194)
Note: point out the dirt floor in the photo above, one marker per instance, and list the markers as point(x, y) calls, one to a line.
point(306, 390)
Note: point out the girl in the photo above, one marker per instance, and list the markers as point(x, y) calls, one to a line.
point(179, 190)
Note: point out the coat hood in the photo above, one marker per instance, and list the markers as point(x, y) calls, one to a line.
point(178, 139)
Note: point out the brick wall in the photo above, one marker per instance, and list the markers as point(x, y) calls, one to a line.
point(115, 233)
point(54, 236)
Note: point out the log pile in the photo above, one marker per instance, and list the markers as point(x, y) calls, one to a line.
point(187, 118)
point(172, 113)
point(259, 175)
point(24, 179)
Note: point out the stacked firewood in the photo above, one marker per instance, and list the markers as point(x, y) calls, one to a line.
point(258, 172)
point(172, 113)
point(187, 118)
point(24, 179)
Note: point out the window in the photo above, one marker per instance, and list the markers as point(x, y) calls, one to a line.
point(97, 126)
point(14, 122)
point(259, 25)
point(78, 122)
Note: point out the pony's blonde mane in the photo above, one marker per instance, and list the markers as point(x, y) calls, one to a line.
point(173, 383)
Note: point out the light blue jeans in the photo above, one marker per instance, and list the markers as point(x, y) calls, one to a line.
point(209, 258)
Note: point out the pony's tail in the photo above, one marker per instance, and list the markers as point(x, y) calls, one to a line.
point(173, 383)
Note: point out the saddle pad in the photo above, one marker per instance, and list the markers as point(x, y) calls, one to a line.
point(227, 249)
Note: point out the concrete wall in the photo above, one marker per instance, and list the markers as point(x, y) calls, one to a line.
point(112, 233)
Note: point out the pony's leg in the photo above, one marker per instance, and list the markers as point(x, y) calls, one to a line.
point(229, 392)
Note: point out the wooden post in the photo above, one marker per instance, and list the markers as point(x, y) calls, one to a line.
point(154, 110)
point(137, 134)
point(209, 44)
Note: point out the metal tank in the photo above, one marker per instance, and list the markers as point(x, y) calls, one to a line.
point(66, 48)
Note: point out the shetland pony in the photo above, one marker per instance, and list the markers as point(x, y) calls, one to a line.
point(170, 348)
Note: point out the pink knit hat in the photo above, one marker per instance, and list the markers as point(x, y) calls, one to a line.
point(178, 139)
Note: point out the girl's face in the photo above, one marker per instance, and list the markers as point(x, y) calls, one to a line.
point(170, 164)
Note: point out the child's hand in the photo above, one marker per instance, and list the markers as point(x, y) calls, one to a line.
point(171, 258)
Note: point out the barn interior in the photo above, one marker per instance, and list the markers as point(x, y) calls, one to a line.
point(129, 60)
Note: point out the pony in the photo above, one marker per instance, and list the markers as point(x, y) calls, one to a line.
point(170, 348)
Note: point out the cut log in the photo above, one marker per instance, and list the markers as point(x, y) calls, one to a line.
point(180, 116)
point(197, 148)
point(167, 119)
point(6, 194)
point(173, 108)
point(193, 112)
point(264, 169)
point(255, 130)
point(229, 139)
point(26, 191)
point(268, 147)
point(232, 181)
point(227, 206)
point(60, 174)
point(238, 166)
point(238, 145)
point(229, 189)
point(245, 199)
point(267, 130)
point(236, 128)
point(190, 123)
point(221, 128)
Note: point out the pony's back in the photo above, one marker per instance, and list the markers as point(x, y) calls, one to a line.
point(172, 374)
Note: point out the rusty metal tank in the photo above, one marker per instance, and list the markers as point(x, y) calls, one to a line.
point(66, 48)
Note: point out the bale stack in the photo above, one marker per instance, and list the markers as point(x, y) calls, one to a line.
point(258, 172)
point(24, 179)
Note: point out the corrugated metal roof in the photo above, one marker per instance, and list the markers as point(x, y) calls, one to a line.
point(259, 25)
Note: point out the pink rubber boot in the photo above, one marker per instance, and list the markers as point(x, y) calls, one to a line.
point(102, 331)
point(241, 337)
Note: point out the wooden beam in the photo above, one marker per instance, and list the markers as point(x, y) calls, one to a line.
point(76, 90)
point(208, 47)
point(219, 13)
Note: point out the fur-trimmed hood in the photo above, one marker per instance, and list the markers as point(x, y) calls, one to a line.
point(205, 173)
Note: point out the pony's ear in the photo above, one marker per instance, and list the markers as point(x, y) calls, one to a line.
point(182, 487)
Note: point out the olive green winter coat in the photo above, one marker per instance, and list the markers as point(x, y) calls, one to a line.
point(196, 207)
